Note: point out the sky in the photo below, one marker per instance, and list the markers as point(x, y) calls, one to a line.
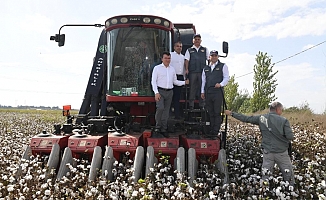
point(35, 71)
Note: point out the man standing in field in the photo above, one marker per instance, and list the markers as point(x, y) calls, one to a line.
point(276, 137)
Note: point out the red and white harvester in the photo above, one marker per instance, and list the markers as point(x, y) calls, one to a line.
point(116, 118)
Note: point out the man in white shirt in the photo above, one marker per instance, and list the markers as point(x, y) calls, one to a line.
point(177, 62)
point(214, 77)
point(196, 59)
point(163, 78)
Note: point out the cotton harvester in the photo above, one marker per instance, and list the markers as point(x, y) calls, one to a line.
point(116, 118)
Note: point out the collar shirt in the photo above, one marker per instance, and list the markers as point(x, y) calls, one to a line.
point(164, 77)
point(187, 55)
point(177, 62)
point(225, 76)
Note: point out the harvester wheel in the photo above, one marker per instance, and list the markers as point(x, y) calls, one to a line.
point(66, 158)
point(150, 159)
point(54, 159)
point(108, 163)
point(179, 161)
point(192, 165)
point(96, 163)
point(222, 165)
point(138, 163)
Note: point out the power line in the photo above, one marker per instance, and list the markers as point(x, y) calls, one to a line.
point(287, 57)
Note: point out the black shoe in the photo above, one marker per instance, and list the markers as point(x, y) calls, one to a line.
point(211, 135)
point(156, 133)
point(165, 133)
point(193, 136)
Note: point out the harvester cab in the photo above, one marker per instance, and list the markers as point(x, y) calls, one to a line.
point(117, 115)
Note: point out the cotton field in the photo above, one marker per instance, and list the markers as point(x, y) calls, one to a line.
point(26, 179)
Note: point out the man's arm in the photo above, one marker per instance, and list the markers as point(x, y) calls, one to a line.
point(244, 118)
point(203, 81)
point(187, 58)
point(226, 76)
point(176, 81)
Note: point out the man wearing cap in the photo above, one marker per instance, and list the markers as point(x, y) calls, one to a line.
point(195, 60)
point(163, 78)
point(214, 77)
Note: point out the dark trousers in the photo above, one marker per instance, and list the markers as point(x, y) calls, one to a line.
point(213, 106)
point(163, 109)
point(195, 87)
point(176, 97)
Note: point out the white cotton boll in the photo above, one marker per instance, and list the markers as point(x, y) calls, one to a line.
point(11, 179)
point(88, 194)
point(42, 176)
point(102, 182)
point(10, 188)
point(166, 190)
point(45, 185)
point(47, 192)
point(142, 191)
point(25, 190)
point(94, 190)
point(322, 197)
point(21, 182)
point(126, 194)
point(5, 177)
point(278, 191)
point(294, 194)
point(134, 193)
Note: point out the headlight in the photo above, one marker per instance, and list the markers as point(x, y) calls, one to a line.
point(166, 24)
point(114, 21)
point(107, 23)
point(124, 20)
point(146, 20)
point(157, 21)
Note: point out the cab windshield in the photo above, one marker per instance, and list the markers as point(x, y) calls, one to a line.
point(132, 54)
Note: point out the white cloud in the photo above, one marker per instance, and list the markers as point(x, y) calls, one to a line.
point(235, 19)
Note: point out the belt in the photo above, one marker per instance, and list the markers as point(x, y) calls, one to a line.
point(165, 89)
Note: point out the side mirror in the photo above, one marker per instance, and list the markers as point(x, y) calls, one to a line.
point(225, 49)
point(59, 38)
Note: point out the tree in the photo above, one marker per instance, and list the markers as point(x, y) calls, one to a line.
point(264, 83)
point(233, 97)
point(231, 91)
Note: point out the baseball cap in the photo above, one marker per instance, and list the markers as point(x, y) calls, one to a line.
point(197, 35)
point(213, 52)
